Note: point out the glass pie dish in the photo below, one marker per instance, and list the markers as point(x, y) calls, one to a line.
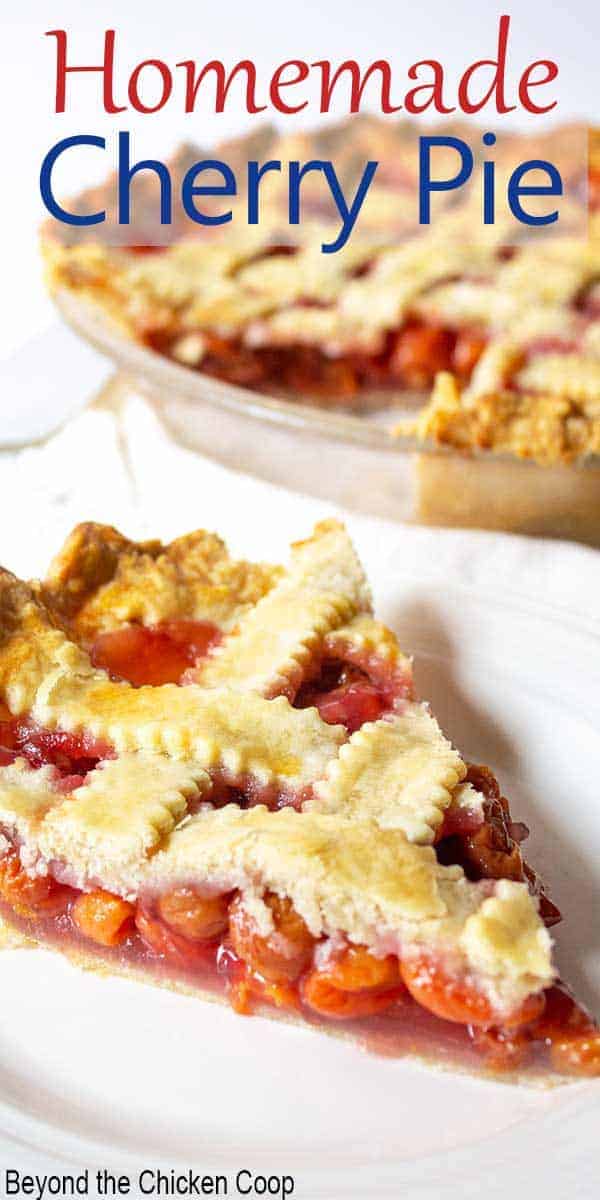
point(352, 460)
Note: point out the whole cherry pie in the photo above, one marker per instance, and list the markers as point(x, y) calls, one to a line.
point(215, 775)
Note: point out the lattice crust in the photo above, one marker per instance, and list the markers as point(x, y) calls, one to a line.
point(25, 797)
point(400, 772)
point(387, 770)
point(529, 296)
point(365, 307)
point(252, 289)
point(541, 426)
point(240, 734)
point(143, 822)
point(107, 828)
point(373, 884)
point(276, 620)
point(572, 375)
point(281, 298)
point(101, 580)
point(273, 646)
point(45, 675)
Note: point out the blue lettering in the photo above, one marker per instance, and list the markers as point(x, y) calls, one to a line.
point(61, 214)
point(427, 184)
point(126, 173)
point(189, 189)
point(516, 189)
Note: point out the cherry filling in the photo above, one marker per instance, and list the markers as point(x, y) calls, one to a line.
point(29, 896)
point(191, 950)
point(146, 654)
point(212, 938)
point(344, 695)
point(73, 755)
point(488, 846)
point(411, 357)
point(353, 983)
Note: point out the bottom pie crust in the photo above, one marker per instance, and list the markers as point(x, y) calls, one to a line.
point(441, 1044)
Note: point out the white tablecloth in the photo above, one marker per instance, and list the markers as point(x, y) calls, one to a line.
point(119, 466)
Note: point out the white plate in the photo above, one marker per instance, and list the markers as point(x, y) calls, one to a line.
point(111, 1073)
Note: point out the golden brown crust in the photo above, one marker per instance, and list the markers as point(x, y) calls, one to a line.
point(547, 428)
point(357, 860)
point(101, 580)
point(89, 559)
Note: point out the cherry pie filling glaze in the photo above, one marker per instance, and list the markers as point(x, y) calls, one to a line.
point(410, 358)
point(154, 654)
point(342, 691)
point(209, 938)
point(71, 755)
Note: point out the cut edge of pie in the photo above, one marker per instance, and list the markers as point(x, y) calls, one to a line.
point(500, 414)
point(524, 442)
point(216, 774)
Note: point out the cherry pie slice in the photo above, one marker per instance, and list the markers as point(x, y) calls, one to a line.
point(215, 775)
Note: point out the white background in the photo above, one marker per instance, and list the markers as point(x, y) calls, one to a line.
point(267, 31)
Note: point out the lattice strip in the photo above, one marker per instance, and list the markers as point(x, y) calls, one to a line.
point(26, 796)
point(271, 652)
point(238, 733)
point(107, 828)
point(45, 675)
point(571, 375)
point(399, 772)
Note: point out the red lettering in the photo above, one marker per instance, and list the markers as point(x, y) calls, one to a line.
point(166, 82)
point(107, 69)
point(357, 85)
point(435, 88)
point(498, 81)
point(223, 83)
point(482, 82)
point(526, 82)
point(277, 82)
